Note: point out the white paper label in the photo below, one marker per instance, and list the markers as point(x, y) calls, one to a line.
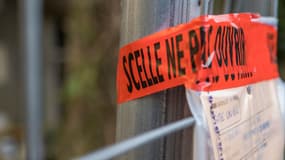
point(245, 122)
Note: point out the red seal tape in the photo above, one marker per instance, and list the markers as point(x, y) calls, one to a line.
point(208, 53)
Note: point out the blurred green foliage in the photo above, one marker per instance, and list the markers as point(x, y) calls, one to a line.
point(89, 99)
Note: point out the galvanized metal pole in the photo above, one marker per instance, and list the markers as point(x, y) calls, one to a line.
point(275, 8)
point(200, 141)
point(141, 18)
point(205, 6)
point(32, 42)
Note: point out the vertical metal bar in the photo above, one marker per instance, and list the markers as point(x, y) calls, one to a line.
point(141, 18)
point(228, 6)
point(31, 40)
point(200, 149)
point(204, 7)
point(275, 8)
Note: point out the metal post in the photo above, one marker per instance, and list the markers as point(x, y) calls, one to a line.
point(275, 8)
point(205, 7)
point(31, 17)
point(141, 18)
point(200, 148)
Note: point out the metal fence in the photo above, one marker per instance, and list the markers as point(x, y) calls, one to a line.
point(140, 17)
point(184, 10)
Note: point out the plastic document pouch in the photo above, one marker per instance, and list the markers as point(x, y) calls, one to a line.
point(243, 122)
